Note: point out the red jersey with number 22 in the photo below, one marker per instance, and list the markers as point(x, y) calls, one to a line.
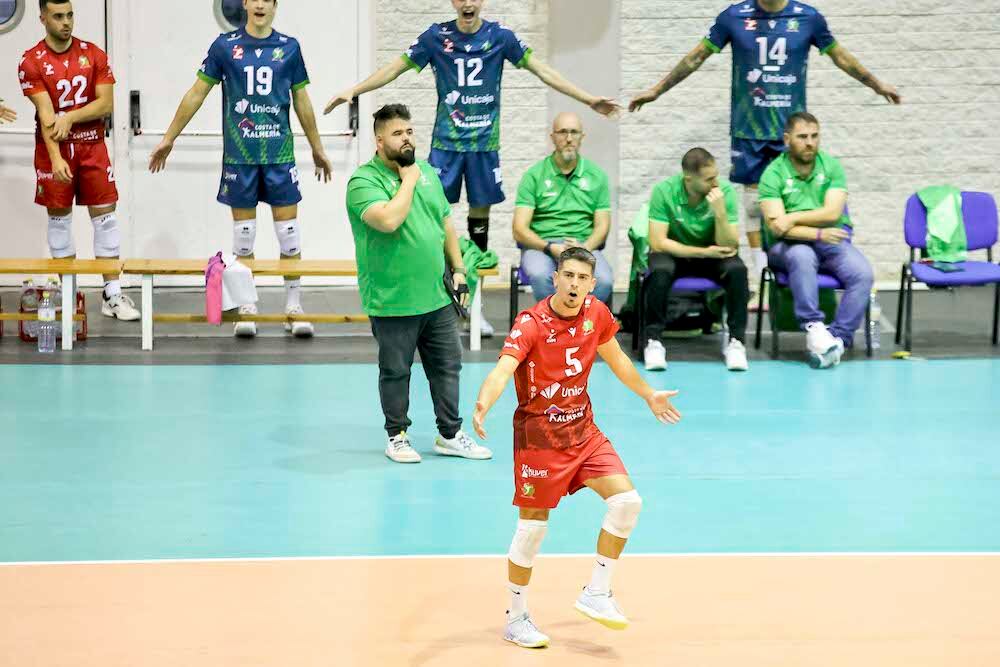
point(70, 78)
point(556, 355)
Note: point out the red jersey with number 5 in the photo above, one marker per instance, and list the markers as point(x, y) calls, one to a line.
point(70, 78)
point(556, 355)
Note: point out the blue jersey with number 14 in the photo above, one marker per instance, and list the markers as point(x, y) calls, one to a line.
point(770, 61)
point(258, 77)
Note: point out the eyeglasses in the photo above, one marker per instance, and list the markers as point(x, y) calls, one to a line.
point(569, 133)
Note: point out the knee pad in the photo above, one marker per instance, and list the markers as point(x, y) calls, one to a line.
point(289, 240)
point(751, 205)
point(107, 235)
point(527, 541)
point(623, 512)
point(61, 236)
point(244, 237)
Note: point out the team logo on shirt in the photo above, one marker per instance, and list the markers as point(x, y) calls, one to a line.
point(241, 106)
point(528, 490)
point(771, 24)
point(449, 46)
point(452, 97)
point(572, 332)
point(551, 390)
point(588, 327)
point(237, 52)
point(552, 336)
point(84, 62)
point(528, 472)
point(49, 69)
point(277, 54)
point(793, 25)
point(258, 52)
point(749, 24)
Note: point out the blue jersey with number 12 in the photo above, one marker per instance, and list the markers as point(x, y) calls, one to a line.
point(468, 70)
point(770, 61)
point(258, 77)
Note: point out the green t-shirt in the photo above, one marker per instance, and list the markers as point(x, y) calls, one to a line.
point(781, 181)
point(401, 273)
point(690, 226)
point(564, 205)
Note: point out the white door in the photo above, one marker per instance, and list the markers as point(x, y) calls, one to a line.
point(22, 222)
point(174, 214)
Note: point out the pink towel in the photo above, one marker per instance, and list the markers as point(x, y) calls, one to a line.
point(213, 289)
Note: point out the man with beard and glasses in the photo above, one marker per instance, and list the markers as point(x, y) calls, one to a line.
point(563, 202)
point(803, 195)
point(403, 238)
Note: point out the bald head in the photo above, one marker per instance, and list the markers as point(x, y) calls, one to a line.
point(567, 135)
point(568, 120)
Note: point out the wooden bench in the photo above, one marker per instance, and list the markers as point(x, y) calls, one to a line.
point(149, 268)
point(67, 270)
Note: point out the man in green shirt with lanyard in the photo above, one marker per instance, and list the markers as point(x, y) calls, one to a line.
point(403, 234)
point(803, 196)
point(563, 201)
point(694, 232)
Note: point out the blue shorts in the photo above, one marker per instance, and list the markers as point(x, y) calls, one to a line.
point(483, 182)
point(751, 157)
point(246, 185)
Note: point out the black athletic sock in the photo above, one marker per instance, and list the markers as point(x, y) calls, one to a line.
point(479, 229)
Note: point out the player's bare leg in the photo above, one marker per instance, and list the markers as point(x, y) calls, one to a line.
point(596, 601)
point(244, 238)
point(754, 218)
point(286, 227)
point(531, 526)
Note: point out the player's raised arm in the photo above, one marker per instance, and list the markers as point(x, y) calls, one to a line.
point(605, 106)
point(623, 368)
point(7, 115)
point(685, 68)
point(101, 107)
point(188, 107)
point(307, 118)
point(493, 386)
point(847, 62)
point(46, 121)
point(381, 77)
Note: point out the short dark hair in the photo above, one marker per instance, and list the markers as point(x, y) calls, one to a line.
point(800, 117)
point(695, 159)
point(579, 254)
point(390, 112)
point(42, 4)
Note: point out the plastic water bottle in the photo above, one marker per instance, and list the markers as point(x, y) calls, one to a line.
point(29, 304)
point(46, 324)
point(875, 323)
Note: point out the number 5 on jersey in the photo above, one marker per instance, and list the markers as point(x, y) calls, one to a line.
point(575, 368)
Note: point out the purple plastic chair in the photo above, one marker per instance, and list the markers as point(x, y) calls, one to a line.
point(979, 213)
point(687, 284)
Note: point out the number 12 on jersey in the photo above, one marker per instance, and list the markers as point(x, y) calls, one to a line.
point(475, 66)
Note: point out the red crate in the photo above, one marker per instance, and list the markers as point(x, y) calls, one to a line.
point(81, 309)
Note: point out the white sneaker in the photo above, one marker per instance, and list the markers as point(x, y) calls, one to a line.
point(601, 607)
point(485, 328)
point(399, 449)
point(120, 307)
point(522, 631)
point(246, 329)
point(819, 342)
point(461, 445)
point(298, 328)
point(736, 356)
point(655, 356)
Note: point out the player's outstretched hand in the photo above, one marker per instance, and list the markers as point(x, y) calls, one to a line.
point(659, 403)
point(889, 93)
point(478, 417)
point(606, 107)
point(324, 168)
point(158, 158)
point(643, 98)
point(7, 115)
point(338, 99)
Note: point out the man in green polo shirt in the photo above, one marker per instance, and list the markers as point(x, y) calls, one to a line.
point(693, 232)
point(403, 234)
point(563, 201)
point(803, 196)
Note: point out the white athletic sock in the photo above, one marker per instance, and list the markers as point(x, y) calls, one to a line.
point(518, 599)
point(600, 578)
point(292, 296)
point(759, 262)
point(112, 288)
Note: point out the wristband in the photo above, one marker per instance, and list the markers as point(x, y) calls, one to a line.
point(462, 271)
point(819, 233)
point(548, 247)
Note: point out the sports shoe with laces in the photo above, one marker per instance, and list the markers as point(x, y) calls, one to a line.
point(120, 307)
point(298, 328)
point(461, 445)
point(246, 329)
point(601, 607)
point(736, 356)
point(399, 449)
point(522, 631)
point(655, 356)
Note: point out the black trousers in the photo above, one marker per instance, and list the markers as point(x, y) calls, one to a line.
point(435, 336)
point(731, 273)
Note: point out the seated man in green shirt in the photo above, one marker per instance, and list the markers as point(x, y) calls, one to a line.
point(803, 197)
point(402, 229)
point(693, 232)
point(563, 201)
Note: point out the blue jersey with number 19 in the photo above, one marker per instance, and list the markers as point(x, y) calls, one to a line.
point(770, 60)
point(258, 77)
point(468, 70)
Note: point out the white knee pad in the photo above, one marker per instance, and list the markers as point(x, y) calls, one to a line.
point(751, 205)
point(623, 512)
point(288, 237)
point(61, 236)
point(244, 237)
point(107, 235)
point(527, 541)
